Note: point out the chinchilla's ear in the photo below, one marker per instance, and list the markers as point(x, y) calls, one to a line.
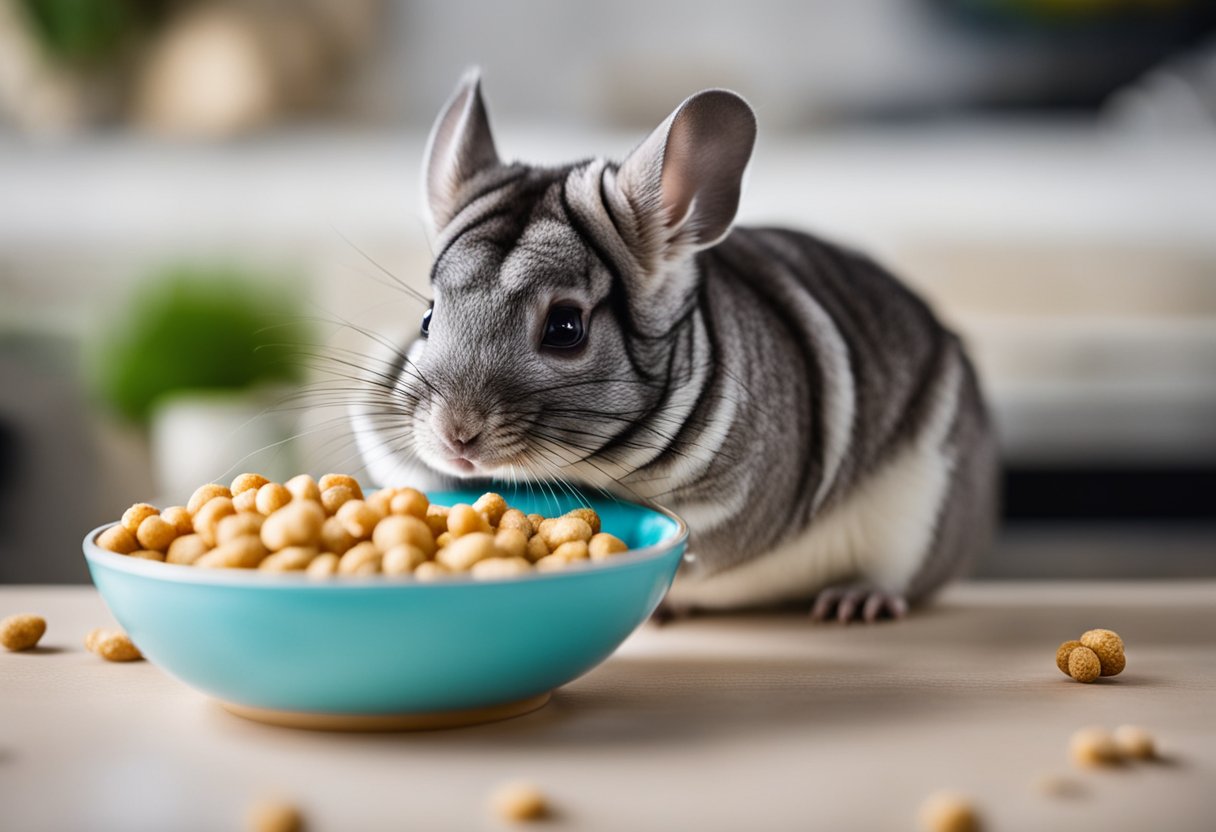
point(460, 146)
point(682, 183)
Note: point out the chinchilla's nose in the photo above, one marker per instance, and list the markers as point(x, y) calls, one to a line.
point(459, 430)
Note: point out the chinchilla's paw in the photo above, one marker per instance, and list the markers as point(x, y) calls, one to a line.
point(857, 603)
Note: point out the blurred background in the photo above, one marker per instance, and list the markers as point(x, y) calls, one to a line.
point(201, 202)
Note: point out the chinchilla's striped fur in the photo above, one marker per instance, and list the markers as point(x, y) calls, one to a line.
point(803, 410)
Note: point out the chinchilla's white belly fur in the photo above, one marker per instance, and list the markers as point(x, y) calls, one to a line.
point(880, 534)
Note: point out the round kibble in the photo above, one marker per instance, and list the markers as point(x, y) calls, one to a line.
point(403, 528)
point(492, 506)
point(207, 518)
point(382, 500)
point(244, 552)
point(464, 519)
point(147, 554)
point(296, 524)
point(1083, 664)
point(180, 519)
point(1134, 742)
point(1062, 655)
point(340, 480)
point(271, 497)
point(512, 543)
point(360, 559)
point(491, 568)
point(430, 571)
point(603, 545)
point(536, 520)
point(205, 494)
point(948, 812)
point(114, 646)
point(155, 533)
point(401, 559)
point(565, 530)
point(517, 802)
point(187, 549)
point(274, 816)
point(303, 487)
point(247, 482)
point(359, 518)
point(589, 515)
point(21, 631)
point(238, 525)
point(571, 550)
point(410, 501)
point(291, 559)
point(1109, 649)
point(246, 502)
point(136, 514)
point(334, 536)
point(444, 539)
point(323, 565)
point(466, 550)
point(437, 519)
point(513, 518)
point(551, 563)
point(1090, 747)
point(118, 539)
point(537, 549)
point(335, 497)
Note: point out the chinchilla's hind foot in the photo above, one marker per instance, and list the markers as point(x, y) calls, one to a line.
point(857, 603)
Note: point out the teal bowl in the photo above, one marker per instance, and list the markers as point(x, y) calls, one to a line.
point(381, 645)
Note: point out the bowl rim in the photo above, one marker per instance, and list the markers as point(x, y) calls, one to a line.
point(181, 573)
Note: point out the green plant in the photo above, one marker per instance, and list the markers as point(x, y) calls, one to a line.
point(199, 328)
point(89, 30)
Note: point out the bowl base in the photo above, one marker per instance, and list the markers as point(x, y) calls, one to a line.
point(428, 721)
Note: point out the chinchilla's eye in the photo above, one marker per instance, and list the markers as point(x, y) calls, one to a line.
point(426, 320)
point(564, 328)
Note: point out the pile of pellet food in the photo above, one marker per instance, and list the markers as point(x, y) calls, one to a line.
point(328, 527)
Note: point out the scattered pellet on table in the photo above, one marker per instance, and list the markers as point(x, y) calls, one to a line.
point(948, 812)
point(112, 645)
point(1083, 664)
point(1062, 654)
point(1135, 743)
point(274, 816)
point(1093, 747)
point(1108, 646)
point(519, 802)
point(21, 631)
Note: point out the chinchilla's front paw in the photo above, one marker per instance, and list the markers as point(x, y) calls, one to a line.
point(857, 602)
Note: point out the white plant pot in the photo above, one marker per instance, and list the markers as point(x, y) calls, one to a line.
point(211, 436)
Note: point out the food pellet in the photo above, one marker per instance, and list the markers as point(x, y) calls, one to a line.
point(271, 497)
point(464, 519)
point(303, 487)
point(1092, 747)
point(274, 816)
point(1109, 649)
point(180, 519)
point(113, 646)
point(136, 514)
point(1135, 742)
point(518, 802)
point(1083, 665)
point(1062, 655)
point(246, 482)
point(948, 812)
point(341, 481)
point(21, 631)
point(118, 539)
point(204, 494)
point(328, 529)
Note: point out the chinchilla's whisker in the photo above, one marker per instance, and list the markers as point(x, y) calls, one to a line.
point(396, 281)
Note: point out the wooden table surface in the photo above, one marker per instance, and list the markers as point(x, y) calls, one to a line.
point(730, 723)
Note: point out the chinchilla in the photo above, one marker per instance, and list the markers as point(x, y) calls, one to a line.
point(603, 324)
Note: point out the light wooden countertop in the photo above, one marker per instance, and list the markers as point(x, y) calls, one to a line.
point(732, 723)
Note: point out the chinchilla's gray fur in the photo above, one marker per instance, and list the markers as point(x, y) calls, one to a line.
point(760, 381)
